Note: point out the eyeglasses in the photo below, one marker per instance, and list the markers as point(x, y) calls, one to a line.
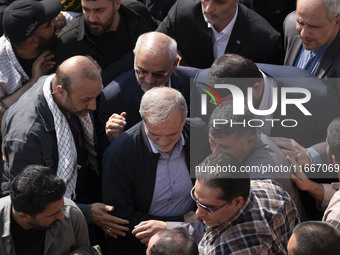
point(207, 208)
point(157, 75)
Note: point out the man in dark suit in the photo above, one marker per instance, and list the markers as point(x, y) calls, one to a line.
point(312, 38)
point(156, 64)
point(107, 31)
point(224, 27)
point(323, 104)
point(146, 169)
point(274, 11)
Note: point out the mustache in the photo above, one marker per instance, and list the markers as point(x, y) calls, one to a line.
point(93, 23)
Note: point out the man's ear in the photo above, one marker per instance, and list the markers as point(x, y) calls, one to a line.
point(334, 160)
point(238, 202)
point(176, 62)
point(32, 41)
point(60, 91)
point(251, 140)
point(24, 216)
point(337, 21)
point(117, 4)
point(258, 90)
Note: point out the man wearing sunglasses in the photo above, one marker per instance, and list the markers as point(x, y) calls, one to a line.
point(239, 215)
point(155, 64)
point(243, 216)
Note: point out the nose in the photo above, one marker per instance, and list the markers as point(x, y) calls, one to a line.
point(304, 31)
point(209, 6)
point(92, 17)
point(200, 211)
point(149, 78)
point(60, 215)
point(215, 148)
point(92, 105)
point(162, 141)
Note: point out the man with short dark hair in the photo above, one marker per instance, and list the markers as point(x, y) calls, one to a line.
point(172, 242)
point(263, 79)
point(253, 148)
point(241, 216)
point(29, 34)
point(107, 31)
point(314, 238)
point(37, 219)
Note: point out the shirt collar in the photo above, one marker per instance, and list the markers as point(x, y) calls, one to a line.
point(266, 100)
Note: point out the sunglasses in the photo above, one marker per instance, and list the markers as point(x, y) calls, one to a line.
point(207, 208)
point(157, 75)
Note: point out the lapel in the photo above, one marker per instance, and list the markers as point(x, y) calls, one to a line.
point(50, 235)
point(239, 32)
point(329, 58)
point(293, 51)
point(205, 37)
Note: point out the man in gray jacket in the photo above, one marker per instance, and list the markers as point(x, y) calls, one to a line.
point(37, 219)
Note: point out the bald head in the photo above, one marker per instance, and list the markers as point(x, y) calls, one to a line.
point(76, 85)
point(77, 67)
point(156, 44)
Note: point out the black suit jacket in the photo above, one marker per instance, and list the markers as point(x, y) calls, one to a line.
point(75, 39)
point(124, 95)
point(324, 104)
point(329, 66)
point(252, 36)
point(129, 176)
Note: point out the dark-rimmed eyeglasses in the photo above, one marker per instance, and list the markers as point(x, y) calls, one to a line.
point(207, 208)
point(157, 75)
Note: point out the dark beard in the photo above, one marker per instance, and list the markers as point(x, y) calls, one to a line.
point(103, 27)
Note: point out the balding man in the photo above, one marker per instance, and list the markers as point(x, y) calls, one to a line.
point(50, 125)
point(312, 38)
point(146, 169)
point(155, 64)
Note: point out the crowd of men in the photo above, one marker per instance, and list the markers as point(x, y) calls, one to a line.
point(111, 146)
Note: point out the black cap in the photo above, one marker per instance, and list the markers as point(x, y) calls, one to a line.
point(21, 18)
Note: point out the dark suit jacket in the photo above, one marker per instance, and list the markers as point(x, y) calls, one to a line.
point(129, 176)
point(329, 66)
point(274, 11)
point(124, 95)
point(74, 39)
point(324, 104)
point(252, 36)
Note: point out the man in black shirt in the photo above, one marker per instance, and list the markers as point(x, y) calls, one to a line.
point(107, 31)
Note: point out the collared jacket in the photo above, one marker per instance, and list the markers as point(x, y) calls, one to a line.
point(74, 39)
point(129, 176)
point(29, 137)
point(63, 237)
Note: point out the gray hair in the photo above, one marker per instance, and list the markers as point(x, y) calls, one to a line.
point(332, 8)
point(156, 43)
point(160, 103)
